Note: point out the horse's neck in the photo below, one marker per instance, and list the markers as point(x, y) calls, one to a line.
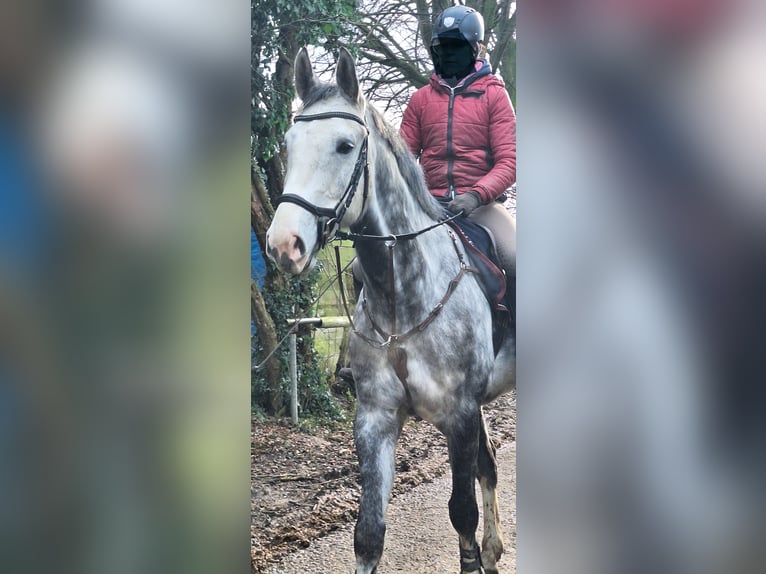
point(417, 262)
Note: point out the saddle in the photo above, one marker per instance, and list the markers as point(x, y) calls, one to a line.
point(500, 294)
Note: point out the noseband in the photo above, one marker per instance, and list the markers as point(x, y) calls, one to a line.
point(329, 219)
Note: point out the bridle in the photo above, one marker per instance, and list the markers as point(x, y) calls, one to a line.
point(329, 219)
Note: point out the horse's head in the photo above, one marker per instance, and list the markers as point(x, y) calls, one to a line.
point(327, 170)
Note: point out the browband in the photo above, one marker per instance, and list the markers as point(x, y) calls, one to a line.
point(328, 116)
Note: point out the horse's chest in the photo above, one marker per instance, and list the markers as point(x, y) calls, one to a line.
point(434, 385)
point(430, 369)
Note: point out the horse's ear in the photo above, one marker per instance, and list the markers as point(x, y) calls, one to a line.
point(304, 75)
point(346, 76)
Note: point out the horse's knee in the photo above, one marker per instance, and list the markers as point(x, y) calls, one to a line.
point(369, 534)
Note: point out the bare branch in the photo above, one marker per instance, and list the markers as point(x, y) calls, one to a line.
point(424, 22)
point(505, 35)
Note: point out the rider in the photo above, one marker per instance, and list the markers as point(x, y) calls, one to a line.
point(462, 126)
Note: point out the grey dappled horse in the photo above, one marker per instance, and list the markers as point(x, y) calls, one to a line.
point(422, 340)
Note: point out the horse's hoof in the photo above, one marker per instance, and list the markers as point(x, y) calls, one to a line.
point(492, 550)
point(489, 561)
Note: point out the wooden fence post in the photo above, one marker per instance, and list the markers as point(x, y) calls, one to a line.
point(294, 377)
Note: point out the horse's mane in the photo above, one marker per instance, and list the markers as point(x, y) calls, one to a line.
point(406, 162)
point(408, 165)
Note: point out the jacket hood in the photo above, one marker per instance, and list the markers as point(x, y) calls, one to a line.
point(482, 73)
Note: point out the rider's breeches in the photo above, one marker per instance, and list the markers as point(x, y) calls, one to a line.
point(501, 223)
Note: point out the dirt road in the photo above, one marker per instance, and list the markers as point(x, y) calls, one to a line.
point(419, 538)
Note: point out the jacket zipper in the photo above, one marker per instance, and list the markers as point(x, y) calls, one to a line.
point(451, 160)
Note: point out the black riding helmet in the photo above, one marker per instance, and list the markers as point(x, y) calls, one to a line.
point(457, 33)
point(459, 23)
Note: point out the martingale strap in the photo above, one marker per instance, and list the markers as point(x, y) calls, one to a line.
point(396, 339)
point(397, 355)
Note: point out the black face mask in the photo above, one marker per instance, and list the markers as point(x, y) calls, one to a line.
point(453, 58)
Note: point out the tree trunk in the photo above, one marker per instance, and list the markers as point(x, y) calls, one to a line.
point(268, 336)
point(260, 212)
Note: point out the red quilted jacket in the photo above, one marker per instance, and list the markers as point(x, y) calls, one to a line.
point(465, 137)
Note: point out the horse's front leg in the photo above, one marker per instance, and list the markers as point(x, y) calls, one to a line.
point(463, 443)
point(492, 543)
point(376, 432)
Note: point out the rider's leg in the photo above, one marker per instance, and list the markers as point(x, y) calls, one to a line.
point(501, 223)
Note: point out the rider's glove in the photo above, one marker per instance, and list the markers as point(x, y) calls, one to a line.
point(466, 202)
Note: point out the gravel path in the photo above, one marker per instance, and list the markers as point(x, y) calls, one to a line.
point(419, 537)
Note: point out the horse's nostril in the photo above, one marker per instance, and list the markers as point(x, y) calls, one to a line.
point(300, 246)
point(271, 251)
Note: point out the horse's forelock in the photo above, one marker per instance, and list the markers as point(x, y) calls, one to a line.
point(322, 91)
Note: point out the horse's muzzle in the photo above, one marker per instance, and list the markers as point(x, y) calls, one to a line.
point(288, 251)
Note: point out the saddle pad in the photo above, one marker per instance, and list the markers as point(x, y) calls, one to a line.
point(480, 251)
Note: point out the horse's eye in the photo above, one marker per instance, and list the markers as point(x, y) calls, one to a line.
point(344, 147)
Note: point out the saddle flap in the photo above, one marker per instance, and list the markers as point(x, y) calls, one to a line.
point(480, 248)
